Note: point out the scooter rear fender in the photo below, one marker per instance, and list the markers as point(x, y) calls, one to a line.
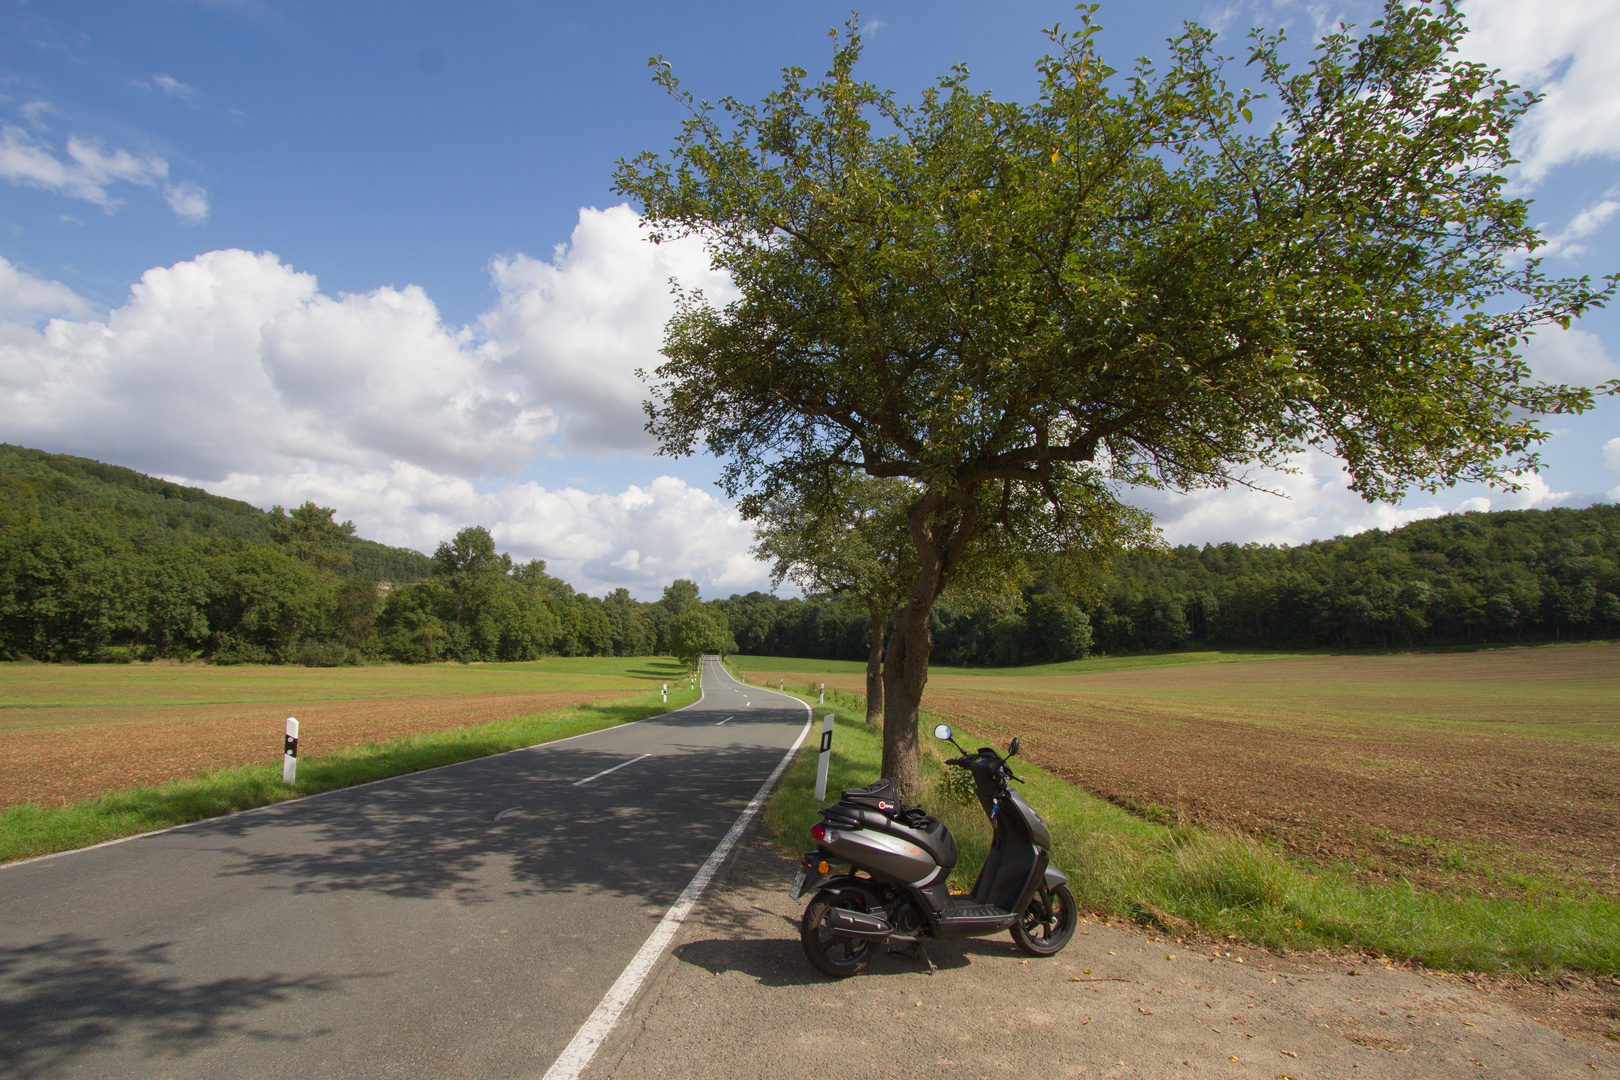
point(839, 884)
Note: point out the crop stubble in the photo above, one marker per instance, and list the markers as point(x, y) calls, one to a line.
point(1461, 768)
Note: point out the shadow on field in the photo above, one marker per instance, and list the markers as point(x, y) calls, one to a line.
point(449, 832)
point(71, 995)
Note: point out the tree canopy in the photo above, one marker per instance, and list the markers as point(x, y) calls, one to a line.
point(1026, 308)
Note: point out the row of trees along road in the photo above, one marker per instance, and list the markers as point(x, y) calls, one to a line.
point(1019, 310)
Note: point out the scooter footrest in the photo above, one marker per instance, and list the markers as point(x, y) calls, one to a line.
point(976, 911)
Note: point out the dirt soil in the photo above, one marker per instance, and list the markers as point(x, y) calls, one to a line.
point(1118, 1002)
point(1454, 769)
point(95, 750)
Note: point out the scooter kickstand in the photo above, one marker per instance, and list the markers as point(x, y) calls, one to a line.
point(915, 950)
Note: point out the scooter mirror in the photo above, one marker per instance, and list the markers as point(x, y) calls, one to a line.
point(1012, 751)
point(943, 732)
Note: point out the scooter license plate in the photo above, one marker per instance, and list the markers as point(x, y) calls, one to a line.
point(798, 884)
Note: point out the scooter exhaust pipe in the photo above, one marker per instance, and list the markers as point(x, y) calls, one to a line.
point(857, 925)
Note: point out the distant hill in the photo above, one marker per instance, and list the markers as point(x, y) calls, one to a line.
point(42, 487)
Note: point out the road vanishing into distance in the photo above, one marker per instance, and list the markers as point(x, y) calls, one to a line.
point(460, 922)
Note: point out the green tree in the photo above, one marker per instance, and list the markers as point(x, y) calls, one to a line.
point(1023, 307)
point(699, 629)
point(472, 569)
point(310, 535)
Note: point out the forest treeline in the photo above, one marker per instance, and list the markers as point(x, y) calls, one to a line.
point(1508, 576)
point(103, 563)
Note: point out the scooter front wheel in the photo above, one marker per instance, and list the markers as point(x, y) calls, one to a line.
point(1047, 923)
point(835, 956)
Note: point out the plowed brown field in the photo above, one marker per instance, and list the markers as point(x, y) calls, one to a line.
point(69, 733)
point(1440, 768)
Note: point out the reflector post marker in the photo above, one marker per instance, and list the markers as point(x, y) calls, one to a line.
point(665, 693)
point(824, 758)
point(289, 753)
point(823, 699)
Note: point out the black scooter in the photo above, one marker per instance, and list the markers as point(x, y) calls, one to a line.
point(899, 857)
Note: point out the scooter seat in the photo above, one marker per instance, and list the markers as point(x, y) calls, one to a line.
point(926, 832)
point(880, 795)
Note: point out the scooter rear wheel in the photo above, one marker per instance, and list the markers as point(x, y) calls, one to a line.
point(831, 955)
point(1037, 936)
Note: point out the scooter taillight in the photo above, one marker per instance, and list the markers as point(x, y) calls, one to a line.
point(823, 835)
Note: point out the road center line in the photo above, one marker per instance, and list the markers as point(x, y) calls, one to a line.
point(604, 772)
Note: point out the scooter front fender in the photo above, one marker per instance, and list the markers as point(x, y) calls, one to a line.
point(1055, 877)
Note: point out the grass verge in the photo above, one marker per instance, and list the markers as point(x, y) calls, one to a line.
point(27, 831)
point(1185, 879)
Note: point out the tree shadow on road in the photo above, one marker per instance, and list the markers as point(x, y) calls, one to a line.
point(69, 996)
point(515, 825)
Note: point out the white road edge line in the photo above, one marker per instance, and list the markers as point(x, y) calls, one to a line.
point(604, 772)
point(726, 720)
point(591, 1034)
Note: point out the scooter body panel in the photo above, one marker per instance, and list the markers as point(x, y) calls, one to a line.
point(883, 855)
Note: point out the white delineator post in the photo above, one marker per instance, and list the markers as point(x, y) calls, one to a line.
point(665, 693)
point(823, 699)
point(825, 758)
point(289, 753)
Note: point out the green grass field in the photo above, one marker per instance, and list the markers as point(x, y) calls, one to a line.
point(26, 685)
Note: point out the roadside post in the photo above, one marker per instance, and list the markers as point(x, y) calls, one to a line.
point(823, 699)
point(826, 756)
point(289, 753)
point(665, 693)
point(779, 684)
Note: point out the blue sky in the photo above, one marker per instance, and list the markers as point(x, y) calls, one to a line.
point(369, 253)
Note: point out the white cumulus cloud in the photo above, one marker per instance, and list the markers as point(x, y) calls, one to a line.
point(1571, 356)
point(1565, 50)
point(24, 296)
point(641, 538)
point(233, 371)
point(578, 327)
point(234, 361)
point(1313, 503)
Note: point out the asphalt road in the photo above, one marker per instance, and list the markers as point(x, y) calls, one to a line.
point(461, 922)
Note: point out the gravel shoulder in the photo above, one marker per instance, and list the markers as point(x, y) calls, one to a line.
point(737, 998)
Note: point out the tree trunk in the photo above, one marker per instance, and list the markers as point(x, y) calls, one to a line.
point(874, 670)
point(905, 673)
point(940, 533)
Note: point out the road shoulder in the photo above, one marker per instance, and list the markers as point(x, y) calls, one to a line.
point(737, 998)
